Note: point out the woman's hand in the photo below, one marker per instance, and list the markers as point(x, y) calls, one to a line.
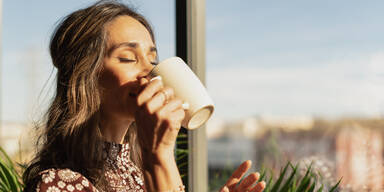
point(247, 185)
point(158, 118)
point(158, 121)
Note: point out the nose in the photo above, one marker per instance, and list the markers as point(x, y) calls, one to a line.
point(146, 68)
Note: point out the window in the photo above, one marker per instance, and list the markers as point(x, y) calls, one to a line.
point(297, 81)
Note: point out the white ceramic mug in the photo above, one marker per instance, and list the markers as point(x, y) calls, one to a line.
point(187, 86)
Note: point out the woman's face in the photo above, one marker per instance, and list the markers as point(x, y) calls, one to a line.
point(131, 54)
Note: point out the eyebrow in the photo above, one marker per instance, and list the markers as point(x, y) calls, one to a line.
point(133, 45)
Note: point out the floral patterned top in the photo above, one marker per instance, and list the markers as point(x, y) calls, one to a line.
point(121, 174)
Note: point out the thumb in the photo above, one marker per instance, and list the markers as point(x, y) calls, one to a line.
point(224, 189)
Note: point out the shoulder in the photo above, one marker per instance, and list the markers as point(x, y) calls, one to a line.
point(56, 180)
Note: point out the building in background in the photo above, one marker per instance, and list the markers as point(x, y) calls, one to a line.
point(351, 149)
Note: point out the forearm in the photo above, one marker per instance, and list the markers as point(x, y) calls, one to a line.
point(161, 173)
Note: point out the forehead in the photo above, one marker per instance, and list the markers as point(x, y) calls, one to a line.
point(127, 29)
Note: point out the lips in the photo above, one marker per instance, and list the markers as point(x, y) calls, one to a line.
point(134, 89)
point(131, 94)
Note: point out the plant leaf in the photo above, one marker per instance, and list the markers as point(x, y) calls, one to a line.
point(3, 177)
point(261, 176)
point(335, 187)
point(10, 177)
point(321, 188)
point(288, 183)
point(281, 177)
point(9, 161)
point(305, 181)
point(312, 188)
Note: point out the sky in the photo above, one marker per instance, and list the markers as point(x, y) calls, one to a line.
point(296, 58)
point(283, 58)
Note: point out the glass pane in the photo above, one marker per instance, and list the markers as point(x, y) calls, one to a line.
point(27, 74)
point(297, 81)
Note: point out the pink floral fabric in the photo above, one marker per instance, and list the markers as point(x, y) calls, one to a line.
point(121, 173)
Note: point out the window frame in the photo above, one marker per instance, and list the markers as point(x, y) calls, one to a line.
point(190, 46)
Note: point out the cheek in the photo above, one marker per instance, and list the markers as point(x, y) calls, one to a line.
point(111, 79)
point(116, 86)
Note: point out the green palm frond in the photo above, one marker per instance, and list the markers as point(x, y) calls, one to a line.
point(10, 179)
point(289, 180)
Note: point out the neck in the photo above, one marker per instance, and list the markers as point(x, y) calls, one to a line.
point(114, 128)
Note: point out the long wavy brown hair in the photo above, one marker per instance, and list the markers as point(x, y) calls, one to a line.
point(70, 136)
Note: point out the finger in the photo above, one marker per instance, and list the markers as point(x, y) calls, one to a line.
point(247, 183)
point(236, 176)
point(155, 102)
point(172, 119)
point(224, 189)
point(158, 100)
point(168, 93)
point(173, 105)
point(170, 126)
point(243, 168)
point(143, 81)
point(149, 91)
point(259, 187)
point(178, 115)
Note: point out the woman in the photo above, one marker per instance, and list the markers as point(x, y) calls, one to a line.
point(109, 127)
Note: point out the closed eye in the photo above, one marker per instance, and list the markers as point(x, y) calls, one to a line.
point(126, 60)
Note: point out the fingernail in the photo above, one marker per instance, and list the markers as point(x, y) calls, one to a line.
point(185, 106)
point(157, 77)
point(143, 81)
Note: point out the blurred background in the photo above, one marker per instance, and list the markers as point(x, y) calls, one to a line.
point(298, 81)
